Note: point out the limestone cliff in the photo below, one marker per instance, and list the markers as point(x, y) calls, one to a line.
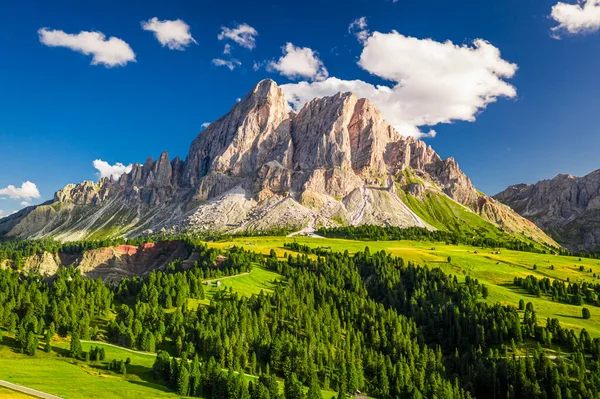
point(259, 167)
point(566, 207)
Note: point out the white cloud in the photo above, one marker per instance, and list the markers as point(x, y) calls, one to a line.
point(27, 191)
point(582, 17)
point(1, 213)
point(243, 34)
point(107, 170)
point(111, 52)
point(25, 203)
point(227, 49)
point(173, 34)
point(237, 100)
point(299, 62)
point(231, 64)
point(430, 82)
point(205, 125)
point(358, 28)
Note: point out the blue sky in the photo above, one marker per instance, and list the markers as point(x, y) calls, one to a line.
point(59, 111)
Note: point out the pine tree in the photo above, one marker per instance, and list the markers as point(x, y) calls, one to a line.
point(183, 379)
point(292, 388)
point(75, 347)
point(32, 343)
point(314, 391)
point(586, 313)
point(195, 378)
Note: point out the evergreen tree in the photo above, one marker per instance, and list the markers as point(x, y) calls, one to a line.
point(314, 391)
point(292, 388)
point(183, 379)
point(32, 344)
point(586, 313)
point(75, 346)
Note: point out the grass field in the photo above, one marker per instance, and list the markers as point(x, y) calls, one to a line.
point(6, 393)
point(495, 270)
point(56, 374)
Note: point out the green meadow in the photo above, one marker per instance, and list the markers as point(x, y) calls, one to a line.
point(62, 376)
point(496, 270)
point(6, 393)
point(247, 284)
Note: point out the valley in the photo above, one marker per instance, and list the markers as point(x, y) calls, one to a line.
point(494, 268)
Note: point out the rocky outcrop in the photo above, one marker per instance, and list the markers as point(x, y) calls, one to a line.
point(566, 207)
point(111, 264)
point(336, 161)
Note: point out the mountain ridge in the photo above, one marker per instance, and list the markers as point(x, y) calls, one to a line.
point(261, 166)
point(566, 207)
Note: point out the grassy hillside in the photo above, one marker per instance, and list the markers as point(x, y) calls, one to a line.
point(246, 284)
point(444, 214)
point(59, 375)
point(6, 393)
point(496, 270)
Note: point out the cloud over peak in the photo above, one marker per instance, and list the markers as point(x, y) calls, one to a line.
point(299, 62)
point(581, 17)
point(107, 170)
point(27, 191)
point(110, 53)
point(243, 34)
point(173, 34)
point(430, 82)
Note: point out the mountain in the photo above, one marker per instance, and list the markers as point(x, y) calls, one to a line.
point(262, 167)
point(566, 207)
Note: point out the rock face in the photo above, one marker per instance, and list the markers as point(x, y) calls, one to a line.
point(566, 207)
point(111, 264)
point(260, 167)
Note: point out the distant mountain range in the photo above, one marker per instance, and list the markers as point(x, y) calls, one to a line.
point(262, 167)
point(566, 207)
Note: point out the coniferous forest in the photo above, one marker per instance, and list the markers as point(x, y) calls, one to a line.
point(367, 322)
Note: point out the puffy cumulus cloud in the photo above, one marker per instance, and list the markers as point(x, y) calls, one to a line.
point(358, 28)
point(107, 170)
point(110, 53)
point(243, 34)
point(299, 62)
point(430, 82)
point(173, 34)
point(231, 64)
point(25, 203)
point(582, 17)
point(27, 191)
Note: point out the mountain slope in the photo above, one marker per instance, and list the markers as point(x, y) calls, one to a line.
point(261, 167)
point(566, 207)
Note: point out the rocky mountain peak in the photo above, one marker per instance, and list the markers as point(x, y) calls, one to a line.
point(566, 206)
point(262, 166)
point(238, 143)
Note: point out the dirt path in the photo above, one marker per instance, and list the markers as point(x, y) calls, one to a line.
point(28, 391)
point(118, 347)
point(226, 277)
